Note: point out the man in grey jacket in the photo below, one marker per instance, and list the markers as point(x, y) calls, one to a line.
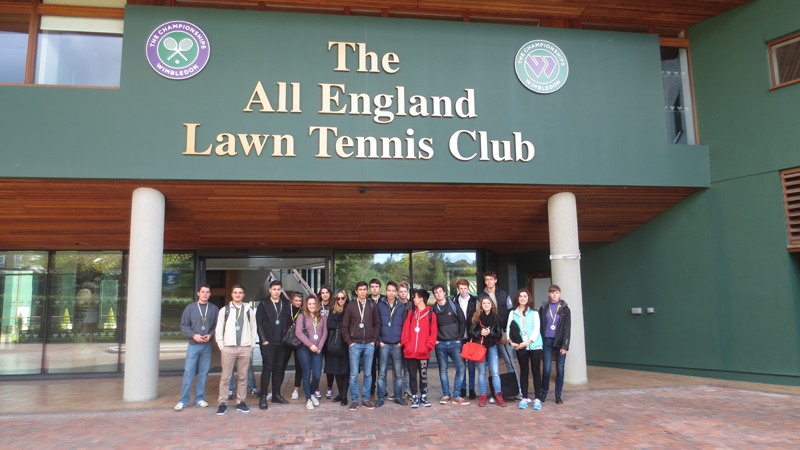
point(198, 322)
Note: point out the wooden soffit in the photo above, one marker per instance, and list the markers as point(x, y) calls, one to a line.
point(95, 214)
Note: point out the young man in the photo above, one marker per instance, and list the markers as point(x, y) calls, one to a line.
point(402, 295)
point(467, 304)
point(236, 337)
point(197, 324)
point(297, 306)
point(375, 296)
point(556, 323)
point(451, 327)
point(361, 328)
point(419, 339)
point(503, 302)
point(273, 318)
point(392, 313)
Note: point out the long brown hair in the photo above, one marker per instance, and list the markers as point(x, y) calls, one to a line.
point(306, 312)
point(516, 300)
point(330, 293)
point(477, 316)
point(335, 308)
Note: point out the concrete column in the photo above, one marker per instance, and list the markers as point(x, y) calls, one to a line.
point(565, 265)
point(143, 324)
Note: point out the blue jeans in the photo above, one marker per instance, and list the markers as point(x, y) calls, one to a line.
point(395, 353)
point(198, 359)
point(452, 349)
point(309, 359)
point(406, 382)
point(469, 367)
point(547, 365)
point(251, 378)
point(494, 370)
point(358, 351)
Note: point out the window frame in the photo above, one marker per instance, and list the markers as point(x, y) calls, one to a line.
point(35, 10)
point(772, 61)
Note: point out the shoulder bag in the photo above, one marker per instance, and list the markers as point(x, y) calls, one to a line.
point(474, 351)
point(290, 338)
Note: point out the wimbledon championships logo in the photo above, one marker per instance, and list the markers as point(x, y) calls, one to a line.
point(541, 66)
point(177, 50)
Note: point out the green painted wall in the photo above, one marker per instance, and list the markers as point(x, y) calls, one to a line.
point(715, 267)
point(604, 127)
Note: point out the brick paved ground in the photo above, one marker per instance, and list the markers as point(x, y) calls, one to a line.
point(700, 416)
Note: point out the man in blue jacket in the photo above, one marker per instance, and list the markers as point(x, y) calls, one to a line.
point(392, 313)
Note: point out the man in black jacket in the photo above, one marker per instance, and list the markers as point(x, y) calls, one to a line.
point(466, 304)
point(273, 318)
point(503, 302)
point(555, 325)
point(450, 329)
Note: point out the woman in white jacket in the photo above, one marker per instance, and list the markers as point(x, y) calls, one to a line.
point(529, 347)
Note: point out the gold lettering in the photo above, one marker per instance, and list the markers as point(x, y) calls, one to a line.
point(419, 106)
point(323, 139)
point(254, 142)
point(390, 58)
point(362, 59)
point(230, 144)
point(341, 143)
point(426, 145)
point(373, 147)
point(386, 147)
point(354, 98)
point(262, 99)
point(327, 98)
point(401, 100)
point(277, 139)
point(190, 141)
point(341, 59)
point(296, 98)
point(282, 96)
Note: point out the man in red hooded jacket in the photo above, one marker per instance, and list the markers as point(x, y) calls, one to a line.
point(418, 340)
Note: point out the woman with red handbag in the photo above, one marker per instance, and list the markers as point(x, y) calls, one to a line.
point(485, 327)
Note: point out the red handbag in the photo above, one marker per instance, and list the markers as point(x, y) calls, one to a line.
point(472, 351)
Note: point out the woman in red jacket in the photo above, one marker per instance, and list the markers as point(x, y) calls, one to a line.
point(418, 339)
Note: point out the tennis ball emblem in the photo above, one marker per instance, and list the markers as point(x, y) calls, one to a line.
point(177, 50)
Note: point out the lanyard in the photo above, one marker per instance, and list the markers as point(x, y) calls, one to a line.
point(315, 323)
point(203, 316)
point(420, 317)
point(361, 310)
point(238, 312)
point(391, 313)
point(295, 314)
point(277, 313)
point(550, 310)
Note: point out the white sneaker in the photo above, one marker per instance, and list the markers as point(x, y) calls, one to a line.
point(179, 406)
point(269, 396)
point(295, 395)
point(202, 404)
point(309, 404)
point(315, 401)
point(492, 400)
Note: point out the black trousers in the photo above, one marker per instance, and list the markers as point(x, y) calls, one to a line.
point(343, 382)
point(298, 369)
point(535, 358)
point(273, 356)
point(414, 367)
point(330, 380)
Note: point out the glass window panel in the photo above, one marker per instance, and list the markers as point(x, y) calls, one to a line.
point(445, 268)
point(177, 291)
point(350, 268)
point(23, 284)
point(13, 47)
point(66, 56)
point(786, 61)
point(83, 327)
point(678, 107)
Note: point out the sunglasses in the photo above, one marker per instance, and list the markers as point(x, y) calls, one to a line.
point(341, 298)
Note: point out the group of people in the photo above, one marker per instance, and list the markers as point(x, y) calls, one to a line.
point(371, 332)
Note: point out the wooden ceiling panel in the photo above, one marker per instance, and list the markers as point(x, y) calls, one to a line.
point(95, 214)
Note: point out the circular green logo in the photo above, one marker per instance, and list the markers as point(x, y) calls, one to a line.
point(178, 50)
point(541, 66)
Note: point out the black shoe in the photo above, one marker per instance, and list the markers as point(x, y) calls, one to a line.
point(463, 393)
point(254, 392)
point(241, 407)
point(338, 398)
point(558, 400)
point(223, 408)
point(423, 400)
point(263, 404)
point(379, 403)
point(344, 402)
point(544, 397)
point(230, 394)
point(472, 395)
point(400, 401)
point(278, 398)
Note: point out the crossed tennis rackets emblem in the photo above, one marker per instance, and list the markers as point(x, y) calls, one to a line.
point(178, 49)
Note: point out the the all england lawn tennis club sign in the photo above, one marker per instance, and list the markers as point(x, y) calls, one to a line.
point(179, 50)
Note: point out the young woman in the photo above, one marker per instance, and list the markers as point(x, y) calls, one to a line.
point(312, 330)
point(530, 348)
point(485, 327)
point(418, 339)
point(325, 296)
point(297, 306)
point(338, 366)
